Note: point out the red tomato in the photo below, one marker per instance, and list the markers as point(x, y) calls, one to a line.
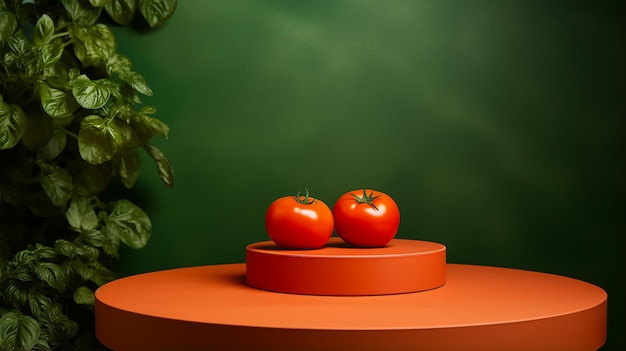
point(366, 218)
point(299, 222)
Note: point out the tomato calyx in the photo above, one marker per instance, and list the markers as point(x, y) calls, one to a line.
point(305, 200)
point(366, 199)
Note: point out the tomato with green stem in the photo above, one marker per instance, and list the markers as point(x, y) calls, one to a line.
point(366, 218)
point(299, 222)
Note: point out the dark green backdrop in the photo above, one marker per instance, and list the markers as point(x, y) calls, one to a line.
point(498, 127)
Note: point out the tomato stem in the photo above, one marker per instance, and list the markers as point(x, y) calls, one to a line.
point(367, 199)
point(305, 200)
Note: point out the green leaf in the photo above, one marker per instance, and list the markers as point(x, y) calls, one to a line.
point(8, 24)
point(18, 44)
point(93, 140)
point(130, 223)
point(57, 76)
point(110, 244)
point(156, 12)
point(138, 82)
point(14, 295)
point(42, 345)
point(38, 303)
point(95, 238)
point(128, 167)
point(23, 273)
point(44, 30)
point(55, 145)
point(24, 258)
point(12, 124)
point(50, 53)
point(88, 93)
point(118, 63)
point(99, 274)
point(84, 296)
point(56, 183)
point(93, 45)
point(148, 110)
point(164, 166)
point(82, 12)
point(65, 247)
point(148, 126)
point(57, 324)
point(73, 73)
point(91, 180)
point(52, 274)
point(44, 252)
point(18, 331)
point(98, 3)
point(89, 271)
point(81, 215)
point(87, 253)
point(99, 140)
point(122, 11)
point(121, 134)
point(56, 102)
point(76, 267)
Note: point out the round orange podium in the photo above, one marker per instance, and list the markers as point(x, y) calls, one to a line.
point(402, 266)
point(479, 308)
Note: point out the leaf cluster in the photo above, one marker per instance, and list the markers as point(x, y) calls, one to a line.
point(71, 121)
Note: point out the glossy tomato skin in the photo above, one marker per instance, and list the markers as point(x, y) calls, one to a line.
point(364, 224)
point(292, 224)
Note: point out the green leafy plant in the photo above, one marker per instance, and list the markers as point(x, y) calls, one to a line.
point(71, 121)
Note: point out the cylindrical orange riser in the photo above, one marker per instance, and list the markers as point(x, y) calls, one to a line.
point(402, 266)
point(479, 308)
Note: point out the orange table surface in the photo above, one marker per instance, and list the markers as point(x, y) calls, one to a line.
point(479, 308)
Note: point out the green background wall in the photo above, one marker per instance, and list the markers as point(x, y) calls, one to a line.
point(498, 127)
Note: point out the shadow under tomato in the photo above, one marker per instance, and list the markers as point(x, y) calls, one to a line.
point(335, 244)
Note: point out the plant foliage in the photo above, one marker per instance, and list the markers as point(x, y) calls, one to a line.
point(71, 121)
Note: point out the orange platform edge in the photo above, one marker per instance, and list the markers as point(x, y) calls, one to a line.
point(479, 308)
point(402, 266)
